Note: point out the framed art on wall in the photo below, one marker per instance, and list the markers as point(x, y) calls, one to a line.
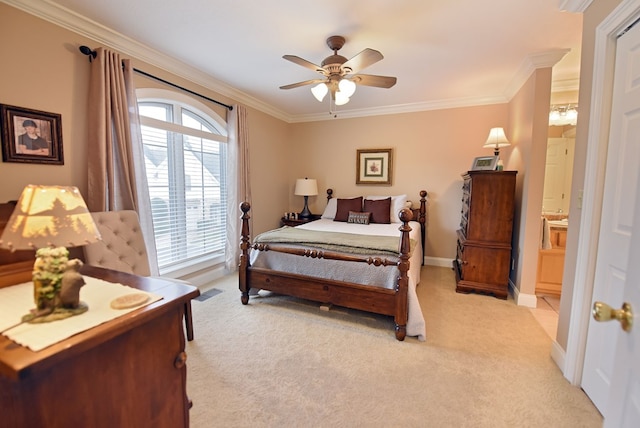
point(31, 136)
point(373, 166)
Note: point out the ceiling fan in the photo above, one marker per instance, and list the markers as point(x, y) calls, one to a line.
point(341, 75)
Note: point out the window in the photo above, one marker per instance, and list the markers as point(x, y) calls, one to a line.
point(185, 152)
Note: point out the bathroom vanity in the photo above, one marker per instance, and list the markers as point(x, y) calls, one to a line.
point(551, 261)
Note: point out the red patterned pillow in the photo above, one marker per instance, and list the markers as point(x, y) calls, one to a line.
point(346, 205)
point(380, 210)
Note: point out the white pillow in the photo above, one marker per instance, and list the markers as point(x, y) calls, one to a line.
point(397, 203)
point(331, 209)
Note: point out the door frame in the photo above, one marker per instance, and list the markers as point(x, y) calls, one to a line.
point(627, 12)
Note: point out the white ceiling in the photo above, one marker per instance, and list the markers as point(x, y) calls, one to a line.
point(445, 53)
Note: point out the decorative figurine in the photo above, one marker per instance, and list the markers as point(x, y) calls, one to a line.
point(56, 286)
point(72, 281)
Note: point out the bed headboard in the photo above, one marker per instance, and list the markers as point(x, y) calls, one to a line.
point(419, 214)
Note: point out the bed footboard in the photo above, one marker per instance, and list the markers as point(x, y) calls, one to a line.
point(355, 296)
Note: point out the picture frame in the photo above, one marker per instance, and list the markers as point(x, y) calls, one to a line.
point(484, 163)
point(374, 166)
point(30, 136)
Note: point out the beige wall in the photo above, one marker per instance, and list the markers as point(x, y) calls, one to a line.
point(529, 114)
point(431, 150)
point(43, 70)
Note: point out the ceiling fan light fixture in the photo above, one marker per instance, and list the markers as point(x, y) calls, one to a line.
point(340, 75)
point(320, 91)
point(347, 87)
point(341, 99)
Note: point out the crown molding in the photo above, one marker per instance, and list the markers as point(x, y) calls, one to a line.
point(565, 85)
point(400, 108)
point(574, 6)
point(530, 64)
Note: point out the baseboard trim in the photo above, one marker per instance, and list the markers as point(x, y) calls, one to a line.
point(522, 299)
point(438, 261)
point(558, 355)
point(204, 277)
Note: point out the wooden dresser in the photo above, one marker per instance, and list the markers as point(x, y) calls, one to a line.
point(483, 258)
point(128, 372)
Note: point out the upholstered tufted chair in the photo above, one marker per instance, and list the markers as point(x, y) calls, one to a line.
point(123, 249)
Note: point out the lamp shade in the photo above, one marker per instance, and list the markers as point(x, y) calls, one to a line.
point(306, 187)
point(496, 139)
point(319, 91)
point(341, 99)
point(347, 87)
point(49, 216)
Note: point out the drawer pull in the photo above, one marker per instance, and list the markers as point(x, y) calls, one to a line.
point(180, 360)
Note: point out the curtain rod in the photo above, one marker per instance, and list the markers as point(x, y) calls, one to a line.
point(92, 54)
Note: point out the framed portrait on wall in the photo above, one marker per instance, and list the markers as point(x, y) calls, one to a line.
point(31, 136)
point(373, 166)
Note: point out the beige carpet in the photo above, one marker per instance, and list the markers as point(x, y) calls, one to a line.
point(280, 362)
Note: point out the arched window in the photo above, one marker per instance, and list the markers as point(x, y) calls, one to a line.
point(185, 149)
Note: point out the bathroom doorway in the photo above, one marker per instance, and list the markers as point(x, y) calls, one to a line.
point(554, 224)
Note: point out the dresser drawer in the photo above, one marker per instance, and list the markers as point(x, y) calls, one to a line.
point(486, 265)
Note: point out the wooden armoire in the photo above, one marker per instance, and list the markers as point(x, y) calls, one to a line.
point(483, 258)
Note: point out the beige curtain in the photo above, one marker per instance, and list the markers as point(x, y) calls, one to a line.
point(116, 177)
point(238, 187)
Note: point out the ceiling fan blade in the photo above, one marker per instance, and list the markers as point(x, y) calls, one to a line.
point(305, 63)
point(372, 80)
point(306, 82)
point(362, 60)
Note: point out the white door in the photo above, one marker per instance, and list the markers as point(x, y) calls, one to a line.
point(554, 175)
point(617, 229)
point(623, 409)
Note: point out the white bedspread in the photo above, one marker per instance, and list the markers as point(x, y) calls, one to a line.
point(347, 271)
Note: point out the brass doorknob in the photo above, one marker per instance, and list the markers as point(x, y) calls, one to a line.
point(603, 312)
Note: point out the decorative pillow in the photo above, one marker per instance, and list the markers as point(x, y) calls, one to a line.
point(330, 209)
point(398, 202)
point(358, 217)
point(380, 210)
point(346, 205)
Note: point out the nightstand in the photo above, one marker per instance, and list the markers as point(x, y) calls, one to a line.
point(292, 222)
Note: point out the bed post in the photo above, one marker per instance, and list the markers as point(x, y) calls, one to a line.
point(402, 285)
point(422, 219)
point(244, 253)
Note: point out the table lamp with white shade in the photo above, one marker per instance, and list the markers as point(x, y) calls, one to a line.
point(495, 141)
point(49, 219)
point(306, 187)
